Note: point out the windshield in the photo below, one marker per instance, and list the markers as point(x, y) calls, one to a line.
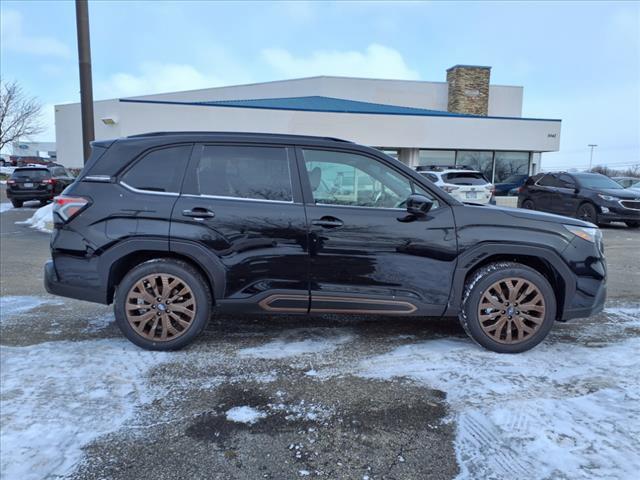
point(636, 186)
point(31, 174)
point(514, 179)
point(598, 181)
point(465, 178)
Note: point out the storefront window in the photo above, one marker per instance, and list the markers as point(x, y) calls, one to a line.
point(510, 163)
point(437, 157)
point(481, 161)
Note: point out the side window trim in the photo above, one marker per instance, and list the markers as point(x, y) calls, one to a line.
point(143, 155)
point(307, 192)
point(198, 152)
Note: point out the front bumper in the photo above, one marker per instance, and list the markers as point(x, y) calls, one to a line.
point(55, 286)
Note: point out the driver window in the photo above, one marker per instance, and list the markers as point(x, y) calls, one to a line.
point(339, 178)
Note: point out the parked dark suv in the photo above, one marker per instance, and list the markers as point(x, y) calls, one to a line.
point(37, 183)
point(172, 226)
point(591, 197)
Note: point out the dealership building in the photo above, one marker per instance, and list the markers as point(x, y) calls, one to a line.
point(464, 120)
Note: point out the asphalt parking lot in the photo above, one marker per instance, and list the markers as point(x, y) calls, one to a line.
point(321, 397)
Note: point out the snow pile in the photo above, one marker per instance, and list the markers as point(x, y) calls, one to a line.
point(299, 342)
point(245, 415)
point(4, 206)
point(559, 411)
point(42, 219)
point(12, 306)
point(57, 397)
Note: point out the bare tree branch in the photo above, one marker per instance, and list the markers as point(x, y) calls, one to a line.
point(19, 114)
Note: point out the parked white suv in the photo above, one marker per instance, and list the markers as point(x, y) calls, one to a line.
point(462, 183)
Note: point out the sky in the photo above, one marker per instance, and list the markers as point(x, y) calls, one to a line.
point(577, 61)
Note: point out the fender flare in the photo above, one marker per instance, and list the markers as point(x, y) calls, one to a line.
point(204, 258)
point(477, 254)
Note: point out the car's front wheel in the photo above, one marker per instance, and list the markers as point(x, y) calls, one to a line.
point(588, 213)
point(508, 307)
point(162, 304)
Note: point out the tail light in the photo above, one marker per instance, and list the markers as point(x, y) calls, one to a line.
point(48, 181)
point(67, 207)
point(449, 188)
point(11, 182)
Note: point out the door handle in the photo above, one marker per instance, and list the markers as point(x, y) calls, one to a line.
point(327, 222)
point(198, 212)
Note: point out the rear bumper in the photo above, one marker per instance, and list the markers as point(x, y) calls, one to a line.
point(55, 286)
point(29, 195)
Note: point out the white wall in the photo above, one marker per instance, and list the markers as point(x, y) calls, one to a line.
point(503, 100)
point(389, 130)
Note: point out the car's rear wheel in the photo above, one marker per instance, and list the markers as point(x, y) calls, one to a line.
point(633, 224)
point(16, 203)
point(508, 307)
point(162, 304)
point(588, 213)
point(528, 204)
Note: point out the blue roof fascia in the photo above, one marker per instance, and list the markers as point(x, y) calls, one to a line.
point(387, 110)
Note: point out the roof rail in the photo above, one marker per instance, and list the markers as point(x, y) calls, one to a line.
point(256, 134)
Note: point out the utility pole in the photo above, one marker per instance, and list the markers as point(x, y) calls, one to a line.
point(86, 89)
point(592, 146)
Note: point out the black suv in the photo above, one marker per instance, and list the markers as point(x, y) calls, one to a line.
point(591, 197)
point(172, 226)
point(37, 183)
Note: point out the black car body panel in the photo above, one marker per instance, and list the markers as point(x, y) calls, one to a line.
point(295, 255)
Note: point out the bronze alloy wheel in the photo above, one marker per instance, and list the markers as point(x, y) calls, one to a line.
point(511, 310)
point(160, 307)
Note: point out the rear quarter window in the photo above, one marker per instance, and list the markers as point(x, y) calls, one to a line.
point(160, 170)
point(35, 174)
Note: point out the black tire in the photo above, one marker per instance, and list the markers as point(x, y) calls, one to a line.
point(172, 268)
point(16, 203)
point(633, 224)
point(528, 204)
point(475, 288)
point(588, 213)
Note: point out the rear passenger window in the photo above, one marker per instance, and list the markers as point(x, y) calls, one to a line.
point(159, 170)
point(260, 173)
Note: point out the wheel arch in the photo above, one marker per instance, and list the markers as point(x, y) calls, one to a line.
point(545, 261)
point(116, 262)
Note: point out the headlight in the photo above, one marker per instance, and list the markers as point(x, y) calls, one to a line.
point(590, 234)
point(608, 198)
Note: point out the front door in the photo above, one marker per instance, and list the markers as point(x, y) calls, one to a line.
point(241, 204)
point(367, 255)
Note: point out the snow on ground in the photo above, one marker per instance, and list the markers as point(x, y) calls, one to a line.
point(12, 306)
point(42, 219)
point(560, 410)
point(245, 414)
point(59, 396)
point(299, 342)
point(4, 206)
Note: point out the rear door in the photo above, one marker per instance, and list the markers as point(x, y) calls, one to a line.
point(367, 255)
point(242, 203)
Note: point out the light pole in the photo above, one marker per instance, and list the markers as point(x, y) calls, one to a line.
point(592, 146)
point(86, 89)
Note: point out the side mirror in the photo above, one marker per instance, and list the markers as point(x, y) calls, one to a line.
point(418, 205)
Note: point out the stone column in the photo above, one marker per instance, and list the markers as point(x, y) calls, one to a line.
point(468, 89)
